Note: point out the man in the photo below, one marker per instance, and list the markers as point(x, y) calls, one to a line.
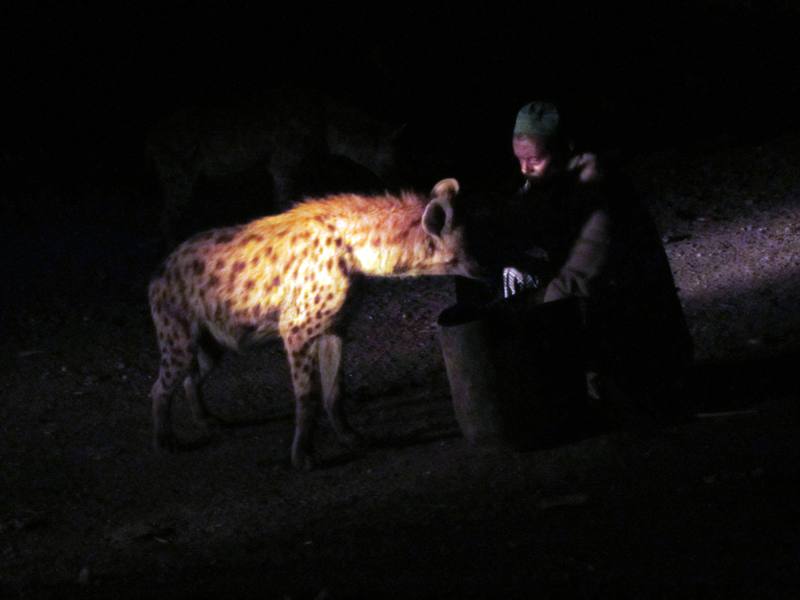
point(576, 232)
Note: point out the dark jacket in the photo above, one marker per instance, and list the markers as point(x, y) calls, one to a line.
point(590, 237)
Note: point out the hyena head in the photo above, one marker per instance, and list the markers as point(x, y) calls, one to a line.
point(445, 226)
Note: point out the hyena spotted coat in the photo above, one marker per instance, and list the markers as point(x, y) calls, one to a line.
point(289, 275)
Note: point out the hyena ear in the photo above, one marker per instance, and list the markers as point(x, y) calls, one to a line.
point(446, 187)
point(435, 220)
point(438, 217)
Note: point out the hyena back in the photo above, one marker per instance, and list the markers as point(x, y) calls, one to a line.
point(288, 275)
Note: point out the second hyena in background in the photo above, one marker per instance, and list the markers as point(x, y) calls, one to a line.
point(289, 275)
point(288, 133)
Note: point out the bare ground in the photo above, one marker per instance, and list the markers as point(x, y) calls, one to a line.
point(624, 507)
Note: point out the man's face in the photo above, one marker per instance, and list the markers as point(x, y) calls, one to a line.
point(535, 160)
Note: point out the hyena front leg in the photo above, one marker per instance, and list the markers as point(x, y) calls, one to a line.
point(303, 359)
point(330, 369)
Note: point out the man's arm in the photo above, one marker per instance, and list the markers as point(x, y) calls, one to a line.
point(586, 261)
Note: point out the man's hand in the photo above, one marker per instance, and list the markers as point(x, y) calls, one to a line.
point(514, 281)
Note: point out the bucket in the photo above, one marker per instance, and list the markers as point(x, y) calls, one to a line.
point(515, 371)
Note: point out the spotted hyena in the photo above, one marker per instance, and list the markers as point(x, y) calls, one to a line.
point(288, 275)
point(289, 134)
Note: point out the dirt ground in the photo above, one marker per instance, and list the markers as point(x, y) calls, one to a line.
point(626, 507)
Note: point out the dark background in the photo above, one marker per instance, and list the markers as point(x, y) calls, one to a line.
point(83, 80)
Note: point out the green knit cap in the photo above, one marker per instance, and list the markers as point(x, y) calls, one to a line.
point(540, 119)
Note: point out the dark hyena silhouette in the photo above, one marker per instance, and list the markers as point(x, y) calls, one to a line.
point(297, 140)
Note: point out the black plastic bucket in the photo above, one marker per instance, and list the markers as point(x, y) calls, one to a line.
point(516, 372)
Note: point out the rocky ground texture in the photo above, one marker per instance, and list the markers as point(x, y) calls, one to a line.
point(706, 507)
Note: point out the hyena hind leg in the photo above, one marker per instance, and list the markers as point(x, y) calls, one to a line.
point(170, 373)
point(330, 369)
point(208, 356)
point(178, 355)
